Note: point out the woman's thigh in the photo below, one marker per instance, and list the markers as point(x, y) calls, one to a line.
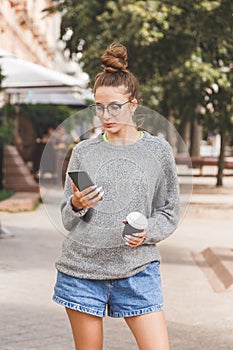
point(149, 330)
point(87, 330)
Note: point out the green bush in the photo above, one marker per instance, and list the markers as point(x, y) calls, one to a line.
point(42, 116)
point(7, 132)
point(4, 194)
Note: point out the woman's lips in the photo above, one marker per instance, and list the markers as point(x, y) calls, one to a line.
point(109, 125)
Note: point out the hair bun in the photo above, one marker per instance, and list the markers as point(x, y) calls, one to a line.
point(115, 58)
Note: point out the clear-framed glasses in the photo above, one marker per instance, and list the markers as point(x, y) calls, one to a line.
point(113, 108)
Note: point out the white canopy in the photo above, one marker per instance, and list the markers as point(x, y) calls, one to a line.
point(51, 96)
point(24, 74)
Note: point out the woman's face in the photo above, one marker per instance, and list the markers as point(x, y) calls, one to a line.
point(114, 118)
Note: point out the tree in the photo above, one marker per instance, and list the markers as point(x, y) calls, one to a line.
point(178, 49)
point(1, 141)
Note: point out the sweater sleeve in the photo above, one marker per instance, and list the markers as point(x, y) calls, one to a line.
point(70, 218)
point(165, 207)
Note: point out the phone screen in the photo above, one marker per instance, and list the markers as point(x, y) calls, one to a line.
point(81, 179)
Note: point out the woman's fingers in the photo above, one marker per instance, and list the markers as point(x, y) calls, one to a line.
point(135, 239)
point(84, 192)
point(94, 201)
point(88, 190)
point(88, 197)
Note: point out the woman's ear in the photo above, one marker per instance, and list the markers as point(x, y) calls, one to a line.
point(134, 104)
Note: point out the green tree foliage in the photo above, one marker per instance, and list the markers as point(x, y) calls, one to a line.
point(7, 132)
point(181, 51)
point(1, 78)
point(6, 128)
point(1, 136)
point(42, 116)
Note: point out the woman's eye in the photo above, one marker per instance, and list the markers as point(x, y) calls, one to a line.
point(114, 107)
point(99, 108)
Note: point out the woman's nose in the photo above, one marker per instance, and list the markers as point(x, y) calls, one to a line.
point(106, 114)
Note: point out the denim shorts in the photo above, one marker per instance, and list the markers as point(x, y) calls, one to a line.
point(126, 297)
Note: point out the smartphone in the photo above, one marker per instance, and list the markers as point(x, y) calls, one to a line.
point(81, 179)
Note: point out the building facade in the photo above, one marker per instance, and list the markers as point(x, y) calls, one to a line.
point(28, 32)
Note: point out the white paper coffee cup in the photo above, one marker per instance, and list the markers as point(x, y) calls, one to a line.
point(135, 223)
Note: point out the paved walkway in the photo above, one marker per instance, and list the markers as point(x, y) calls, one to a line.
point(198, 318)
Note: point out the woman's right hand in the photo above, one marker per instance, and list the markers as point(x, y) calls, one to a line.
point(84, 199)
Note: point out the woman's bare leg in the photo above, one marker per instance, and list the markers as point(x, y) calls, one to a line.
point(87, 330)
point(149, 330)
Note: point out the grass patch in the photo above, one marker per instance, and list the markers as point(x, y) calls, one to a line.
point(4, 194)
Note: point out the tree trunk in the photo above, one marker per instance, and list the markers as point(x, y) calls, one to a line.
point(171, 137)
point(196, 137)
point(1, 166)
point(184, 137)
point(219, 182)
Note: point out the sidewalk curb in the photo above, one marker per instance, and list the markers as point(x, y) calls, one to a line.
point(217, 264)
point(212, 200)
point(20, 201)
point(216, 205)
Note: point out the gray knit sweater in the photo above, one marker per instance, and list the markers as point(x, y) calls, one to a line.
point(137, 177)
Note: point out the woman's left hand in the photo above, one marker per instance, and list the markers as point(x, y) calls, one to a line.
point(135, 239)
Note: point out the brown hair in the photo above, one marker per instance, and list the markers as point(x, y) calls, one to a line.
point(114, 62)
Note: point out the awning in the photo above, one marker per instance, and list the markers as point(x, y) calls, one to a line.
point(51, 96)
point(21, 74)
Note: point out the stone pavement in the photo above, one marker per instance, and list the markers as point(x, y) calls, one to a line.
point(198, 317)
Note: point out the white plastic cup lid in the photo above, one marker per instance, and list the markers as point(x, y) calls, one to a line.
point(137, 220)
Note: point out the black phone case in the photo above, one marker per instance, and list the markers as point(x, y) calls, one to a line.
point(81, 179)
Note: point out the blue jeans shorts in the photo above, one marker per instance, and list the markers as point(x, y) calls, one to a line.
point(126, 297)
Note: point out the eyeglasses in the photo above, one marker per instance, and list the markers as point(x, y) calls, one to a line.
point(113, 108)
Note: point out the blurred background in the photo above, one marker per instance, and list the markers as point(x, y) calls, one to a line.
point(181, 53)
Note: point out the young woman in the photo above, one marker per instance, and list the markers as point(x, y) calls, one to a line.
point(135, 171)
